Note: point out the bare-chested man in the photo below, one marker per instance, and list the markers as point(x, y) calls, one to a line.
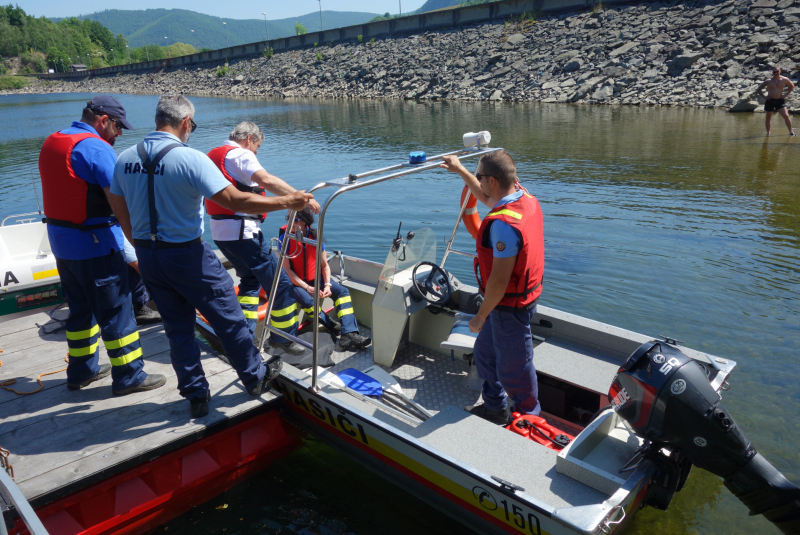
point(776, 98)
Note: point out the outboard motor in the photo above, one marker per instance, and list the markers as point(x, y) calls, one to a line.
point(667, 399)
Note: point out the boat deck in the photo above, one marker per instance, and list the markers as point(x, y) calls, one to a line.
point(61, 441)
point(433, 380)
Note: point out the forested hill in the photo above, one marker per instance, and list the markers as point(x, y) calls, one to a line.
point(432, 5)
point(150, 26)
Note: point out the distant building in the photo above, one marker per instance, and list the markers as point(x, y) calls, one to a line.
point(77, 67)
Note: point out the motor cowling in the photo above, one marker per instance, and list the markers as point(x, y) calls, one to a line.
point(666, 398)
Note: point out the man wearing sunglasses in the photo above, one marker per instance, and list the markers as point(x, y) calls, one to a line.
point(778, 88)
point(509, 269)
point(157, 193)
point(76, 166)
point(238, 235)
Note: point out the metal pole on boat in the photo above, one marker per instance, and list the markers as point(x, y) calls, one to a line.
point(455, 228)
point(345, 185)
point(35, 193)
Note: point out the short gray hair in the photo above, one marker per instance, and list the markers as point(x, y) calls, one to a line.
point(172, 109)
point(244, 130)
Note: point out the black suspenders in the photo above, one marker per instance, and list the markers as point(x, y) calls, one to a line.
point(150, 166)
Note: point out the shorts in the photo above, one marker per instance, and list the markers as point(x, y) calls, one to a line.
point(774, 104)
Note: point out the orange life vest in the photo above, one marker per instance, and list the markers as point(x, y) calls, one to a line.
point(216, 211)
point(303, 262)
point(525, 286)
point(68, 199)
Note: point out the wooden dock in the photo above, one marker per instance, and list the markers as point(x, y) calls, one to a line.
point(62, 441)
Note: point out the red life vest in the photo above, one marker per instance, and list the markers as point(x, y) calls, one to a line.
point(525, 286)
point(304, 263)
point(68, 199)
point(216, 211)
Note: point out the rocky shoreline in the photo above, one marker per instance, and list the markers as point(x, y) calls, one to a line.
point(694, 54)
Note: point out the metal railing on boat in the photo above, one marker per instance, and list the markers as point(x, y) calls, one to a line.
point(344, 185)
point(26, 513)
point(28, 220)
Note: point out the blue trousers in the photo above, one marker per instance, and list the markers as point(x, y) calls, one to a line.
point(99, 301)
point(342, 302)
point(139, 295)
point(504, 358)
point(255, 265)
point(182, 280)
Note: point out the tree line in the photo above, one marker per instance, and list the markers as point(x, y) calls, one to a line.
point(42, 44)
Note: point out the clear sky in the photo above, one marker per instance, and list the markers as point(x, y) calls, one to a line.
point(245, 9)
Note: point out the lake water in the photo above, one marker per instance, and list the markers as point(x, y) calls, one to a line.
point(677, 222)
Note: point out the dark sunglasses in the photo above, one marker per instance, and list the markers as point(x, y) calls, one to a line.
point(194, 124)
point(296, 219)
point(481, 177)
point(117, 122)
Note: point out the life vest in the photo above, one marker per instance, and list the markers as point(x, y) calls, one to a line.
point(216, 211)
point(303, 263)
point(525, 286)
point(68, 199)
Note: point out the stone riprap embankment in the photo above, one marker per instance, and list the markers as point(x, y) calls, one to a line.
point(688, 54)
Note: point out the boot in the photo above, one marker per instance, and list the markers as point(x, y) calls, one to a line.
point(146, 315)
point(353, 342)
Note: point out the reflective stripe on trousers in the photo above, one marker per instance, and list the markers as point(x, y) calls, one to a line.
point(99, 299)
point(255, 265)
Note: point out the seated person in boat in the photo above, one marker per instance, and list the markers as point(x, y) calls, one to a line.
point(77, 166)
point(300, 264)
point(157, 193)
point(509, 270)
point(238, 235)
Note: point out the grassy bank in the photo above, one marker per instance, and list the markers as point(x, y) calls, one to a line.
point(12, 82)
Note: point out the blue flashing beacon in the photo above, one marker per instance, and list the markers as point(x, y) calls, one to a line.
point(417, 157)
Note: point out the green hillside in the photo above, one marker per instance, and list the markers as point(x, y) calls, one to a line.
point(143, 27)
point(432, 5)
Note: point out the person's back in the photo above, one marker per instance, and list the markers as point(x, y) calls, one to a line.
point(161, 183)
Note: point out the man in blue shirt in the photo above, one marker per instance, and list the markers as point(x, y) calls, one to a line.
point(157, 193)
point(76, 166)
point(510, 260)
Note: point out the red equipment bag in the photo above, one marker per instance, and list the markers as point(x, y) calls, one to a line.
point(537, 429)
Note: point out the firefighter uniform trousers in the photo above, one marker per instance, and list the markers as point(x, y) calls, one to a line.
point(504, 359)
point(342, 302)
point(182, 279)
point(99, 300)
point(256, 265)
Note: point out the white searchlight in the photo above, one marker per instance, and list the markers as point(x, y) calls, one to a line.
point(477, 139)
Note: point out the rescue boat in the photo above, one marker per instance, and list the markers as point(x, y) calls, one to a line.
point(27, 265)
point(624, 416)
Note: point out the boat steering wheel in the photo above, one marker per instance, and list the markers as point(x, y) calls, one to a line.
point(435, 288)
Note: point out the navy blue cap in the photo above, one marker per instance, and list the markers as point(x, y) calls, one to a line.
point(108, 105)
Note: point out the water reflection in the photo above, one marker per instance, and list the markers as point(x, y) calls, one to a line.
point(664, 221)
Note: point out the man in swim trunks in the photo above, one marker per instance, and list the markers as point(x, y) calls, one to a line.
point(776, 98)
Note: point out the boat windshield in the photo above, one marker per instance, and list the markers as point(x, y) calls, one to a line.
point(406, 252)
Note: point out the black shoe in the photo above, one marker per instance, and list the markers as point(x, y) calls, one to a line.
point(333, 327)
point(502, 417)
point(290, 348)
point(104, 370)
point(353, 342)
point(793, 134)
point(199, 407)
point(274, 366)
point(151, 382)
point(146, 315)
